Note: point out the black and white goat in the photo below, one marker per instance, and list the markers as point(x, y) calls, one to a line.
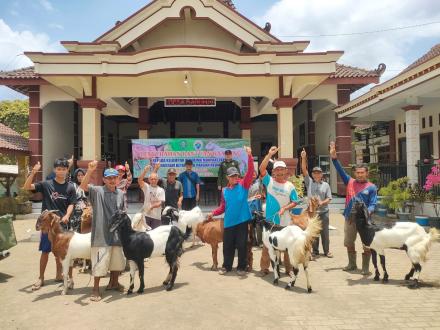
point(138, 246)
point(296, 242)
point(407, 236)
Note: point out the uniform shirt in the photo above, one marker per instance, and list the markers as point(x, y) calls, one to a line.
point(222, 180)
point(153, 195)
point(278, 195)
point(189, 179)
point(366, 191)
point(321, 189)
point(234, 200)
point(172, 193)
point(105, 203)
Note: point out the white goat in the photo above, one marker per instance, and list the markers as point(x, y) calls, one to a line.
point(65, 245)
point(185, 220)
point(407, 236)
point(297, 243)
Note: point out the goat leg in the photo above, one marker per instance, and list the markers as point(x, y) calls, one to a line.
point(376, 269)
point(65, 268)
point(306, 271)
point(385, 273)
point(410, 274)
point(418, 269)
point(173, 277)
point(293, 275)
point(140, 265)
point(214, 248)
point(132, 275)
point(168, 278)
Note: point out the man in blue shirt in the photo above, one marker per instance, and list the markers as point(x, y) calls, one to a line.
point(191, 186)
point(357, 188)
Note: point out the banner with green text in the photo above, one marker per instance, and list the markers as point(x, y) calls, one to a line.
point(206, 154)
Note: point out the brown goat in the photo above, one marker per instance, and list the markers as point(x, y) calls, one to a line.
point(302, 220)
point(211, 232)
point(86, 220)
point(66, 246)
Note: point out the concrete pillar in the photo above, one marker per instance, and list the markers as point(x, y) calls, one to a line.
point(35, 129)
point(412, 120)
point(392, 136)
point(245, 119)
point(311, 148)
point(91, 136)
point(144, 118)
point(284, 106)
point(343, 138)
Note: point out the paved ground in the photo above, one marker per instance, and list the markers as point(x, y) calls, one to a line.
point(204, 299)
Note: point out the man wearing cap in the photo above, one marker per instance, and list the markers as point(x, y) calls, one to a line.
point(173, 190)
point(154, 197)
point(191, 186)
point(237, 215)
point(317, 187)
point(106, 254)
point(280, 198)
point(222, 180)
point(124, 179)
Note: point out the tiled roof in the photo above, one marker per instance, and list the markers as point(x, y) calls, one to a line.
point(23, 73)
point(228, 3)
point(345, 71)
point(433, 52)
point(11, 140)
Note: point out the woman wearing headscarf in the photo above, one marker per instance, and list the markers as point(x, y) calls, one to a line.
point(75, 219)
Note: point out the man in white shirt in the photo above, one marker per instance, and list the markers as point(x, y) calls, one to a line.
point(154, 197)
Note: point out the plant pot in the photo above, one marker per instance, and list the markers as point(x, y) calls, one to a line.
point(381, 212)
point(434, 222)
point(24, 208)
point(422, 220)
point(404, 216)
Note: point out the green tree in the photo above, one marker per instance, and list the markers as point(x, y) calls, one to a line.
point(15, 114)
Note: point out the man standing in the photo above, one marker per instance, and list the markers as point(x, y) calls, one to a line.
point(237, 215)
point(154, 197)
point(106, 251)
point(359, 188)
point(222, 179)
point(191, 186)
point(280, 198)
point(173, 190)
point(317, 187)
point(58, 194)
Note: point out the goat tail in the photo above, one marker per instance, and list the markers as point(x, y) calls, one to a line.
point(313, 229)
point(420, 250)
point(434, 234)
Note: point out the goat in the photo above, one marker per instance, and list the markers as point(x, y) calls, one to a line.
point(185, 220)
point(211, 232)
point(138, 246)
point(66, 246)
point(407, 236)
point(308, 213)
point(85, 228)
point(298, 244)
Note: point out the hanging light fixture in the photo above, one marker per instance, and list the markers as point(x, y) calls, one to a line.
point(185, 81)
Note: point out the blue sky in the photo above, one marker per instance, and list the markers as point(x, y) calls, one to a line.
point(40, 25)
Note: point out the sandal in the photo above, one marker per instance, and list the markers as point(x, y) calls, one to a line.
point(95, 298)
point(37, 285)
point(329, 255)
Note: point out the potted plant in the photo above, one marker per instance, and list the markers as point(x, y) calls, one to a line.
point(419, 196)
point(298, 182)
point(397, 197)
point(432, 185)
point(24, 205)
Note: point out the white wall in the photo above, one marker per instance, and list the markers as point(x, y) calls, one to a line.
point(57, 133)
point(432, 109)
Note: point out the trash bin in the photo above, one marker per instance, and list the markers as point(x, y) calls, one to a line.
point(7, 233)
